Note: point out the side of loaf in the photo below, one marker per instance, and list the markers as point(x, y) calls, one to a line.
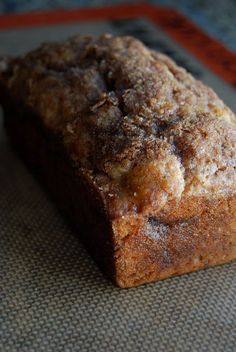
point(139, 154)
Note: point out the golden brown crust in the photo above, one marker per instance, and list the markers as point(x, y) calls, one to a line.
point(148, 249)
point(158, 146)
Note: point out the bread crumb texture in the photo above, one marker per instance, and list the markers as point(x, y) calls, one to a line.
point(140, 127)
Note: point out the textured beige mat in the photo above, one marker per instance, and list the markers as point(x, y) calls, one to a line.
point(55, 299)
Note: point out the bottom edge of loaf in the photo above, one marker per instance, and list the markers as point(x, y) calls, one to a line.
point(127, 260)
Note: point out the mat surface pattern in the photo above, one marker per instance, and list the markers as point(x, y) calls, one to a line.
point(216, 17)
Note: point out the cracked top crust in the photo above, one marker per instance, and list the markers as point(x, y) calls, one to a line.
point(142, 129)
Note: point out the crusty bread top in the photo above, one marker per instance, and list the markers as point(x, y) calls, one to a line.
point(143, 129)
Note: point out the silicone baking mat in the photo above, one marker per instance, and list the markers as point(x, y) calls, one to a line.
point(54, 298)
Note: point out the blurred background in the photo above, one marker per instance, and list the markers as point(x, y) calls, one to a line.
point(216, 17)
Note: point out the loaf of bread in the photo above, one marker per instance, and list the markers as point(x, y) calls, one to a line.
point(139, 154)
